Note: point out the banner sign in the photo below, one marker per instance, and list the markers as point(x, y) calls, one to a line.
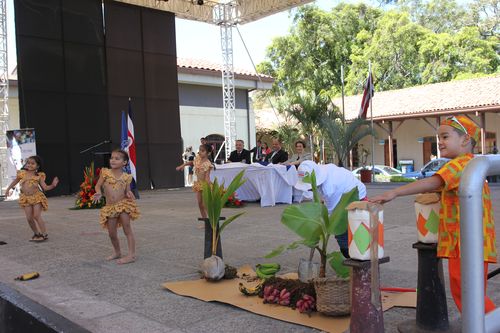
point(20, 145)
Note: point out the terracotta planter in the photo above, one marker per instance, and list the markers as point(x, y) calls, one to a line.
point(333, 296)
point(365, 176)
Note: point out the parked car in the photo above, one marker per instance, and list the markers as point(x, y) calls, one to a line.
point(383, 173)
point(428, 170)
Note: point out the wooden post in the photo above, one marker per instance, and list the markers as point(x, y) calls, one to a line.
point(391, 146)
point(483, 133)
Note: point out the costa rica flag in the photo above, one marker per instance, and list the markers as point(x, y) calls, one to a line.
point(128, 144)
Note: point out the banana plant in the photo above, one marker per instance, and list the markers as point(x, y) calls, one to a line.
point(214, 198)
point(315, 226)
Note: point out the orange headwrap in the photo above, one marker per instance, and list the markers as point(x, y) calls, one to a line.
point(465, 125)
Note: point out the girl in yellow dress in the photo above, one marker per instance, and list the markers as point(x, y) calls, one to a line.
point(202, 167)
point(32, 200)
point(120, 205)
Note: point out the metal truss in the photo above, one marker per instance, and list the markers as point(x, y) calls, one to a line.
point(4, 94)
point(225, 16)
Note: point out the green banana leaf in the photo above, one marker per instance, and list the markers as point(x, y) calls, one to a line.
point(305, 220)
point(337, 223)
point(292, 246)
point(336, 261)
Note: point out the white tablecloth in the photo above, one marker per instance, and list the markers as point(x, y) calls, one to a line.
point(271, 184)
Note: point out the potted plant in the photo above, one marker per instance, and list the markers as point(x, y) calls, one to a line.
point(214, 199)
point(315, 226)
point(365, 174)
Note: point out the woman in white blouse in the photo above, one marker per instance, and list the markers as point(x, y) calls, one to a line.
point(300, 154)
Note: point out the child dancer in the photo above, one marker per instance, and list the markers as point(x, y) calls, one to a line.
point(202, 167)
point(457, 138)
point(31, 199)
point(120, 204)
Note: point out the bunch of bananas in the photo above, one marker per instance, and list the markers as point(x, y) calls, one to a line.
point(266, 271)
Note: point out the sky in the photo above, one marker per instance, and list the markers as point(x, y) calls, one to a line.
point(196, 40)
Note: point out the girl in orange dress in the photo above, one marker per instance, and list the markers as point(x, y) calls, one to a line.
point(120, 205)
point(202, 167)
point(32, 200)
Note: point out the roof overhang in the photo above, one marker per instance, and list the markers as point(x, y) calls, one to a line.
point(246, 10)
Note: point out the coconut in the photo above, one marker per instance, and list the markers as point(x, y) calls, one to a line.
point(213, 268)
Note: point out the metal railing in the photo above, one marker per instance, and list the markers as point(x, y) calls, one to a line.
point(471, 239)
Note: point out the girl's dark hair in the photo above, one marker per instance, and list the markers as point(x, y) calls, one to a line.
point(38, 161)
point(123, 152)
point(301, 142)
point(207, 148)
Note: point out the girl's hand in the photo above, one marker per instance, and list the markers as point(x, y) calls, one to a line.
point(96, 197)
point(55, 181)
point(8, 192)
point(179, 168)
point(384, 197)
point(130, 195)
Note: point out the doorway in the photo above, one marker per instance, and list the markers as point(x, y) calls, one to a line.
point(429, 149)
point(394, 153)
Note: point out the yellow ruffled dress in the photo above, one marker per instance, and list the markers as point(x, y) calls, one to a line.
point(116, 187)
point(30, 190)
point(200, 169)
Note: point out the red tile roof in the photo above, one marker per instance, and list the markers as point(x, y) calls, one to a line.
point(461, 96)
point(199, 66)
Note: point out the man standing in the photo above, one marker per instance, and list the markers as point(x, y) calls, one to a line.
point(240, 154)
point(278, 155)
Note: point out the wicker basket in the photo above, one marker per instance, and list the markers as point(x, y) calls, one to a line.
point(333, 296)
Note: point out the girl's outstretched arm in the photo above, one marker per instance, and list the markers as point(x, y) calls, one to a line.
point(11, 186)
point(46, 187)
point(430, 184)
point(183, 165)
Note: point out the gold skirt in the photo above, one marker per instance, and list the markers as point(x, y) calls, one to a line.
point(26, 200)
point(114, 210)
point(198, 185)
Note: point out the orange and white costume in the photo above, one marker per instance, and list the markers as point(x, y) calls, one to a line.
point(200, 170)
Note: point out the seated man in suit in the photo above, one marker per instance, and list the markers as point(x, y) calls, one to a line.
point(278, 155)
point(240, 154)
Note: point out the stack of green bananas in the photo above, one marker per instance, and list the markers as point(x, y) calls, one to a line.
point(266, 271)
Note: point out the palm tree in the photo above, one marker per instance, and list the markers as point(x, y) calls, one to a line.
point(307, 108)
point(343, 136)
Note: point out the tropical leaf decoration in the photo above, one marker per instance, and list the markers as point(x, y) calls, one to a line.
point(87, 189)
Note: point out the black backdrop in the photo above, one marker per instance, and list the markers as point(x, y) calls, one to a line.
point(75, 78)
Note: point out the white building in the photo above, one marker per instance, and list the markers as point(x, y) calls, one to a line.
point(409, 118)
point(200, 99)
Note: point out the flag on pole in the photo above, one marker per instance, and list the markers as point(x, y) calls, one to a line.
point(368, 93)
point(128, 144)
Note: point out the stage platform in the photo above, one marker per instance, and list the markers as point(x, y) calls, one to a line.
point(101, 296)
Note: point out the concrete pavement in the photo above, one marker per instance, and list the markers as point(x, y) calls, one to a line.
point(102, 296)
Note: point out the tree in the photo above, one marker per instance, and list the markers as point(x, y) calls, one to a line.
point(343, 136)
point(307, 108)
point(309, 58)
point(436, 15)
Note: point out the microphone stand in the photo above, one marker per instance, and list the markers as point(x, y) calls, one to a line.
point(95, 146)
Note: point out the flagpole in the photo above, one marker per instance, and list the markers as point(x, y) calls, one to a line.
point(342, 80)
point(371, 120)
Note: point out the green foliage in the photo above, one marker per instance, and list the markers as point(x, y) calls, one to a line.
point(401, 179)
point(419, 42)
point(311, 222)
point(214, 198)
point(341, 135)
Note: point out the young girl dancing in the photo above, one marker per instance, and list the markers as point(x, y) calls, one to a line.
point(202, 167)
point(120, 205)
point(32, 199)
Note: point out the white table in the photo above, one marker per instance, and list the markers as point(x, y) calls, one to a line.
point(271, 184)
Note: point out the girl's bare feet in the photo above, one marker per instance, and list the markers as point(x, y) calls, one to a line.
point(126, 260)
point(114, 256)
